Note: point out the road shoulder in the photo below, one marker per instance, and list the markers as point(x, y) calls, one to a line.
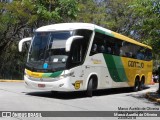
point(154, 96)
point(11, 80)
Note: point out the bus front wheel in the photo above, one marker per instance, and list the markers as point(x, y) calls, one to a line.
point(90, 88)
point(54, 92)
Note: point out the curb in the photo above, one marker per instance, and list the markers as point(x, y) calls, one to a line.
point(154, 97)
point(11, 81)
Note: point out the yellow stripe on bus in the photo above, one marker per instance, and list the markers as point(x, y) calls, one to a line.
point(33, 74)
point(122, 37)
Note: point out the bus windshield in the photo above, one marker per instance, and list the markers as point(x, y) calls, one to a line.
point(47, 52)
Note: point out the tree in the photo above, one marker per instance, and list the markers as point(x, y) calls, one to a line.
point(119, 16)
point(147, 26)
point(148, 22)
point(91, 12)
point(19, 18)
point(115, 15)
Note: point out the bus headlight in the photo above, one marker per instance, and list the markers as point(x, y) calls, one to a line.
point(71, 74)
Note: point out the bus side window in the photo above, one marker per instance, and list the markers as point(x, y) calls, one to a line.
point(98, 45)
point(102, 49)
point(109, 50)
point(79, 48)
point(148, 55)
point(140, 55)
point(94, 49)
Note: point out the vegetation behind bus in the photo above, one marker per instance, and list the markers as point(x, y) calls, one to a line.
point(134, 18)
point(18, 20)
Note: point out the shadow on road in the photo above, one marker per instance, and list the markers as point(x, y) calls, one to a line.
point(142, 96)
point(77, 95)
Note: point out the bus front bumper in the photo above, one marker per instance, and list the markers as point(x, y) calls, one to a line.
point(59, 85)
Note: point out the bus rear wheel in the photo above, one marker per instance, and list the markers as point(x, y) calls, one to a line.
point(136, 85)
point(141, 85)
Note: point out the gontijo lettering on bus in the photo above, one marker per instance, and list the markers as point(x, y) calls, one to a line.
point(135, 64)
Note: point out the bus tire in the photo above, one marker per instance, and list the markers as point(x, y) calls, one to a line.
point(141, 85)
point(54, 92)
point(136, 85)
point(90, 88)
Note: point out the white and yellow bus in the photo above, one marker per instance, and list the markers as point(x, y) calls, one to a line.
point(85, 57)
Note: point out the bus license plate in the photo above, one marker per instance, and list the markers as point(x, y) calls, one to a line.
point(41, 85)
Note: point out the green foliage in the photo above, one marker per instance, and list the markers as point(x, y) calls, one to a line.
point(91, 12)
point(149, 25)
point(12, 62)
point(18, 19)
point(56, 10)
point(119, 16)
point(112, 14)
point(148, 22)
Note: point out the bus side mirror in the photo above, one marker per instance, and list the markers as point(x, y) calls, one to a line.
point(20, 45)
point(70, 41)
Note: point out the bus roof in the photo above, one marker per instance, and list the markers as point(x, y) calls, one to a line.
point(89, 26)
point(66, 26)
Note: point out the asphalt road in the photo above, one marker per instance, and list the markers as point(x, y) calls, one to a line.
point(15, 97)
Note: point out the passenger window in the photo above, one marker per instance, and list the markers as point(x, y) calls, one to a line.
point(79, 48)
point(110, 45)
point(98, 45)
